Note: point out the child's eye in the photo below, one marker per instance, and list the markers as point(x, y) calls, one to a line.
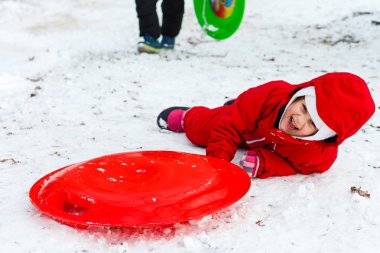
point(312, 123)
point(304, 107)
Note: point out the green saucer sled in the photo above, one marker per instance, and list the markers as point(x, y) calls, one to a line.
point(219, 18)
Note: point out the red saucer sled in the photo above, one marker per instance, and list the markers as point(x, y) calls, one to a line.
point(139, 189)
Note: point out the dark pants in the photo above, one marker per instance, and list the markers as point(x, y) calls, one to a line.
point(172, 14)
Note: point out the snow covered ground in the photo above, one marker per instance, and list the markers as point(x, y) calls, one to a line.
point(72, 87)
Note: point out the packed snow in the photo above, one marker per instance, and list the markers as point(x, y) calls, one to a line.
point(73, 87)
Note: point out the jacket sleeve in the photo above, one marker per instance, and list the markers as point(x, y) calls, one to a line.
point(225, 138)
point(227, 134)
point(271, 164)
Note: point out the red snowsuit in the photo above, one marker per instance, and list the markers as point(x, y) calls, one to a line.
point(343, 102)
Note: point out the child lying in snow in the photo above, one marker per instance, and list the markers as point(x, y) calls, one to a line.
point(289, 129)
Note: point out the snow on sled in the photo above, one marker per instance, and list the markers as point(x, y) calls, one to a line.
point(139, 189)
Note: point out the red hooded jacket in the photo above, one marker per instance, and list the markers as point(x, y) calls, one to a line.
point(343, 102)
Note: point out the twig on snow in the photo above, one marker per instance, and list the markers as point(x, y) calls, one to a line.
point(359, 191)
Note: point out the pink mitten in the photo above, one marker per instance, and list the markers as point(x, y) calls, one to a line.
point(250, 162)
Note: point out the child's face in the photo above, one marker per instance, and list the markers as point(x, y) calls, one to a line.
point(297, 120)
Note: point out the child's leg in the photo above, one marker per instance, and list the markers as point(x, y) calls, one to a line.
point(148, 19)
point(172, 14)
point(200, 120)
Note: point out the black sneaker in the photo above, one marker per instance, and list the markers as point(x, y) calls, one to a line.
point(167, 42)
point(175, 124)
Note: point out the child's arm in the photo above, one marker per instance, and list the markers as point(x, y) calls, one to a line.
point(225, 138)
point(227, 134)
point(272, 164)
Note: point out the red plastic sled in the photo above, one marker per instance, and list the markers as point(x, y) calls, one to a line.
point(139, 189)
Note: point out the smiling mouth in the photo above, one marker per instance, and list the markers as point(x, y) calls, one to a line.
point(292, 124)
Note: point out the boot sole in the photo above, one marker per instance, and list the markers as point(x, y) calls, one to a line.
point(144, 48)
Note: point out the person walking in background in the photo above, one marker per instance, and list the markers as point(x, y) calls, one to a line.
point(150, 29)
